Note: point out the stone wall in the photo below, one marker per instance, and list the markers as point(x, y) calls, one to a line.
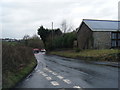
point(84, 37)
point(102, 40)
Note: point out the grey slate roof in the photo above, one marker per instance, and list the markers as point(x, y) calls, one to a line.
point(102, 25)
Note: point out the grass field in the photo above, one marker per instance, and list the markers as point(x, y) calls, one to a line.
point(103, 55)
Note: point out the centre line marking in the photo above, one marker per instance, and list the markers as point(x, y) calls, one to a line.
point(44, 74)
point(46, 69)
point(76, 87)
point(67, 81)
point(41, 72)
point(54, 83)
point(54, 73)
point(60, 77)
point(48, 78)
point(49, 71)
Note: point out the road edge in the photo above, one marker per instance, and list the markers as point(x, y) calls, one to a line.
point(112, 64)
point(32, 69)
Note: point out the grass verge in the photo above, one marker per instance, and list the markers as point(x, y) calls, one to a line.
point(97, 55)
point(11, 79)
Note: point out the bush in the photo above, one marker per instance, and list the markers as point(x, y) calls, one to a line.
point(33, 42)
point(64, 41)
point(15, 58)
point(77, 50)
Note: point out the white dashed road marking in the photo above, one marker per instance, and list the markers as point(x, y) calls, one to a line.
point(41, 72)
point(44, 74)
point(54, 83)
point(67, 81)
point(54, 73)
point(46, 69)
point(60, 77)
point(48, 78)
point(76, 87)
point(49, 71)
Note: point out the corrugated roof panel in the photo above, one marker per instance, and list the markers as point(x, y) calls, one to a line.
point(102, 25)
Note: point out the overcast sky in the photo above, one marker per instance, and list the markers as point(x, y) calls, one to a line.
point(20, 17)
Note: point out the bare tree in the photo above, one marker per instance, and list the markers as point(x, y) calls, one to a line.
point(26, 37)
point(65, 27)
point(70, 28)
point(35, 37)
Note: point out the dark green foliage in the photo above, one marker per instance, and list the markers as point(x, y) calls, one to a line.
point(43, 33)
point(54, 39)
point(65, 41)
point(48, 36)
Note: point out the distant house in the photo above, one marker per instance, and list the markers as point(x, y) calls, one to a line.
point(9, 40)
point(98, 34)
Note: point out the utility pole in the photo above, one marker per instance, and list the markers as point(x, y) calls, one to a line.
point(52, 35)
point(52, 25)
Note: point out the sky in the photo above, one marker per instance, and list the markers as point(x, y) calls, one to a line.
point(24, 17)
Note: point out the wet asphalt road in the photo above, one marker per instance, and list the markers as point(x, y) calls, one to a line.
point(58, 72)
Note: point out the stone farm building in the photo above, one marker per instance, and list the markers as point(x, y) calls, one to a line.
point(98, 34)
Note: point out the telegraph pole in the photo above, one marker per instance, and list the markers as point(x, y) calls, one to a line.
point(52, 32)
point(52, 25)
point(52, 35)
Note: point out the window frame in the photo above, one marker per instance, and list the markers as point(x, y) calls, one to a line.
point(115, 37)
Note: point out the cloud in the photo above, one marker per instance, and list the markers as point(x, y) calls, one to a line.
point(24, 17)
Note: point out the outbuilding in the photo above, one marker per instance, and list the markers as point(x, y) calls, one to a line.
point(98, 34)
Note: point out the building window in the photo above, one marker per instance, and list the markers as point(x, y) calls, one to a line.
point(118, 35)
point(115, 39)
point(114, 35)
point(113, 43)
point(119, 43)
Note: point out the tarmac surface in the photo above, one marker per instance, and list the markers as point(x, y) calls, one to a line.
point(59, 72)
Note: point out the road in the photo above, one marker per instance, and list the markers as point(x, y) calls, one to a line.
point(58, 72)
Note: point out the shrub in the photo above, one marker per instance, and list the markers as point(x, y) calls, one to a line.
point(14, 59)
point(77, 50)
